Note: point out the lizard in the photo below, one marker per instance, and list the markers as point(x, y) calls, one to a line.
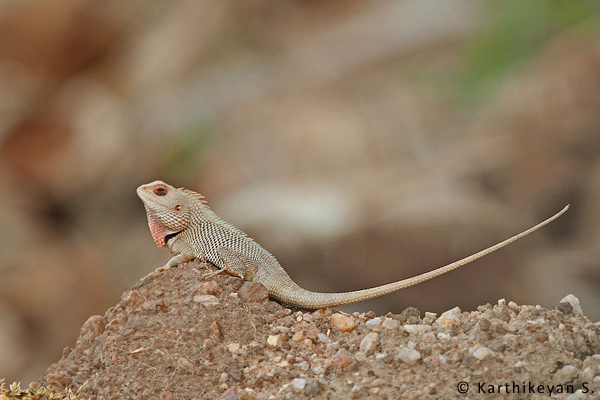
point(181, 220)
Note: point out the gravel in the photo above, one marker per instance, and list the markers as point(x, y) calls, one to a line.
point(175, 336)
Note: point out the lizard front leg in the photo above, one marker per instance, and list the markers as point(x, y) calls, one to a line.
point(182, 252)
point(236, 264)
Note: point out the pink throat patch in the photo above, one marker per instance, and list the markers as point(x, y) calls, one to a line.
point(158, 232)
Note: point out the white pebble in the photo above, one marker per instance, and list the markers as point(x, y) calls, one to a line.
point(566, 374)
point(587, 375)
point(207, 300)
point(298, 384)
point(390, 323)
point(372, 323)
point(409, 356)
point(417, 329)
point(453, 311)
point(274, 340)
point(448, 320)
point(369, 343)
point(574, 301)
point(233, 347)
point(323, 338)
point(303, 365)
point(482, 353)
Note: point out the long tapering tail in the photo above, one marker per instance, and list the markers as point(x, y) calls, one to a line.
point(295, 295)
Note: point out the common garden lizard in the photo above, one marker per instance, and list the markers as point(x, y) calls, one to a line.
point(180, 220)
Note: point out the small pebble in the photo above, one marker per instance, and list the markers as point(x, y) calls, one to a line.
point(313, 388)
point(207, 300)
point(210, 287)
point(215, 328)
point(369, 343)
point(448, 320)
point(298, 336)
point(482, 353)
point(343, 359)
point(587, 375)
point(230, 394)
point(390, 324)
point(409, 356)
point(452, 311)
point(498, 346)
point(372, 323)
point(233, 347)
point(566, 374)
point(541, 337)
point(388, 358)
point(223, 377)
point(564, 307)
point(429, 337)
point(578, 395)
point(298, 385)
point(574, 302)
point(320, 366)
point(253, 292)
point(343, 323)
point(184, 364)
point(163, 396)
point(417, 329)
point(323, 338)
point(274, 340)
point(303, 365)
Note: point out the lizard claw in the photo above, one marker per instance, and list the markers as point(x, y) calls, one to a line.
point(212, 274)
point(228, 271)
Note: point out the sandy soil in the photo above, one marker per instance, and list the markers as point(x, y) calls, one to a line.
point(176, 336)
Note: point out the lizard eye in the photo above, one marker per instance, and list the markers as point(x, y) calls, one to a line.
point(178, 207)
point(160, 190)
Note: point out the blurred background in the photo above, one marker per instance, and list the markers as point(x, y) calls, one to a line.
point(361, 142)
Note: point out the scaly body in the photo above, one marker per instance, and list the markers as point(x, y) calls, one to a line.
point(180, 220)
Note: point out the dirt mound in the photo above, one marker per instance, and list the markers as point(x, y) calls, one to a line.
point(176, 336)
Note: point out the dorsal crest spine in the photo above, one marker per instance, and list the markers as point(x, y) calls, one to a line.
point(196, 195)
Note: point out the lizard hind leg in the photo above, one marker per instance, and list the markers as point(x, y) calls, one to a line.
point(236, 264)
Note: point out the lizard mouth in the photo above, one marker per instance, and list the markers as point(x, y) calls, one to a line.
point(171, 236)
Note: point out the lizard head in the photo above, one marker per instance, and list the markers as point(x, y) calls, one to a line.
point(167, 209)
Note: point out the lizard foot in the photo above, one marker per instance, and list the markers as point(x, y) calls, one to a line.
point(225, 270)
